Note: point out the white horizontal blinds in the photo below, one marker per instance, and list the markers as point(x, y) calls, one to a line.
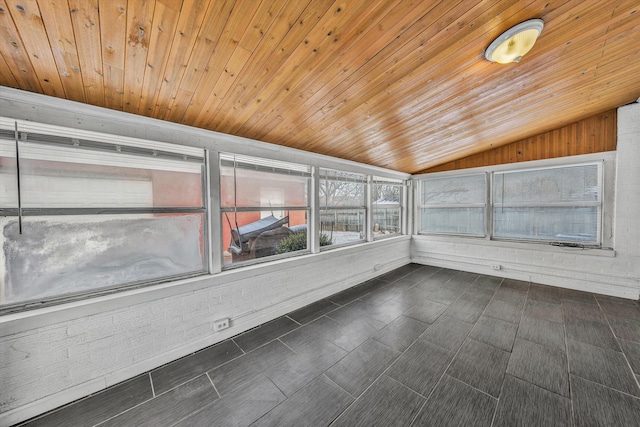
point(453, 205)
point(264, 165)
point(556, 204)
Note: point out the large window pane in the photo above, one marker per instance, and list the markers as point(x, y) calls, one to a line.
point(342, 207)
point(559, 204)
point(453, 220)
point(60, 255)
point(62, 177)
point(565, 223)
point(341, 226)
point(265, 208)
point(97, 215)
point(387, 208)
point(453, 205)
point(251, 235)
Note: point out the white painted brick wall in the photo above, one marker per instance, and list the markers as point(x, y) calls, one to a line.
point(40, 363)
point(618, 276)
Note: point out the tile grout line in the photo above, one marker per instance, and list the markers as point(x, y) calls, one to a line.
point(153, 390)
point(213, 385)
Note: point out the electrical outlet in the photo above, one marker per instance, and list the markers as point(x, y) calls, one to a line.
point(377, 267)
point(221, 324)
point(496, 267)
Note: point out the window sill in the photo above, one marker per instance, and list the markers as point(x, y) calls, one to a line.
point(542, 247)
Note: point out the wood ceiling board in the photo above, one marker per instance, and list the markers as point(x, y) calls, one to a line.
point(26, 17)
point(57, 21)
point(139, 24)
point(113, 29)
point(15, 54)
point(86, 28)
point(394, 83)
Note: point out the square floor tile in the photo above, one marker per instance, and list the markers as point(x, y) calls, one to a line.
point(596, 405)
point(540, 365)
point(447, 332)
point(386, 403)
point(454, 403)
point(606, 367)
point(481, 366)
point(318, 404)
point(421, 366)
point(522, 403)
point(495, 332)
point(361, 367)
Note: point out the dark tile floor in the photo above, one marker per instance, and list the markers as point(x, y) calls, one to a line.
point(417, 346)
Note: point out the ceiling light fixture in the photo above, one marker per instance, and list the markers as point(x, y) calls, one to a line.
point(514, 43)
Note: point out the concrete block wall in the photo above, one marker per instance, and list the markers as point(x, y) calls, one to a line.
point(614, 273)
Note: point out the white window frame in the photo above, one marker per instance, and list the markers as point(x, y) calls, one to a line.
point(32, 140)
point(608, 160)
point(366, 207)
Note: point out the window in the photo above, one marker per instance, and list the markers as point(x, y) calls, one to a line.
point(453, 205)
point(557, 204)
point(264, 208)
point(342, 207)
point(82, 215)
point(387, 205)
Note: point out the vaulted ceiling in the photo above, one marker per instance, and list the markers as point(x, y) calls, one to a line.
point(394, 83)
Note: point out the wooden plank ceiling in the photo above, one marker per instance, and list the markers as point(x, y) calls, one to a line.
point(394, 83)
